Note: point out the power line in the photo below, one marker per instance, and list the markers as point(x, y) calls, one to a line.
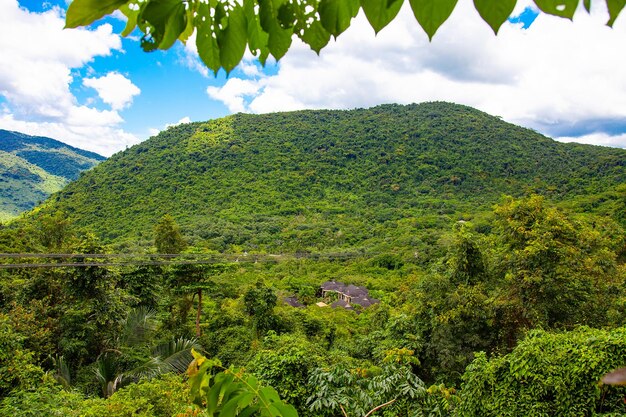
point(153, 259)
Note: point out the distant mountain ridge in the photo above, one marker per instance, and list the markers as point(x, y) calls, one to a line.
point(33, 167)
point(382, 178)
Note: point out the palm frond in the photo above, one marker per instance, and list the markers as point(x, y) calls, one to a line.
point(173, 356)
point(61, 372)
point(106, 372)
point(138, 326)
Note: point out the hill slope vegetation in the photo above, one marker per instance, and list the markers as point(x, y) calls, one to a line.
point(32, 168)
point(329, 180)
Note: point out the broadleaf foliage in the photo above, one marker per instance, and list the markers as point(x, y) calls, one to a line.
point(267, 26)
point(495, 12)
point(231, 392)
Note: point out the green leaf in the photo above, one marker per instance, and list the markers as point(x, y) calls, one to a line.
point(561, 8)
point(615, 7)
point(432, 13)
point(495, 12)
point(168, 20)
point(380, 12)
point(336, 15)
point(233, 39)
point(257, 37)
point(213, 398)
point(131, 23)
point(286, 15)
point(206, 42)
point(315, 36)
point(249, 411)
point(279, 39)
point(85, 12)
point(189, 28)
point(230, 408)
point(587, 4)
point(270, 394)
point(286, 410)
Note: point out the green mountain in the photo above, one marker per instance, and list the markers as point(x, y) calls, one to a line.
point(33, 167)
point(375, 179)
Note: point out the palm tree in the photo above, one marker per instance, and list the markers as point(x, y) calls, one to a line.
point(137, 328)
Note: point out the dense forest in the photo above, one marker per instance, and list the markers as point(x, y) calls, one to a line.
point(202, 273)
point(33, 167)
point(379, 179)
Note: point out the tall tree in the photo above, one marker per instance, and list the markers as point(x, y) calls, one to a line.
point(167, 236)
point(259, 302)
point(558, 270)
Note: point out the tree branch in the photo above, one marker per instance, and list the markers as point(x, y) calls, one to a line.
point(373, 410)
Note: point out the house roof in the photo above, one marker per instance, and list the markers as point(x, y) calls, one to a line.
point(293, 301)
point(342, 304)
point(364, 301)
point(332, 286)
point(355, 291)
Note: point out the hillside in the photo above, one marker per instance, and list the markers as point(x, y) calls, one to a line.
point(379, 178)
point(32, 168)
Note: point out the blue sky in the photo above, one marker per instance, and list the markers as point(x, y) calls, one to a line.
point(95, 90)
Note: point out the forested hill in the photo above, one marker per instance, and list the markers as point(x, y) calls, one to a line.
point(33, 167)
point(326, 180)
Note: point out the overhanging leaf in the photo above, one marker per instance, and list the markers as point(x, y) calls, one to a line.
point(131, 23)
point(495, 12)
point(257, 37)
point(561, 8)
point(167, 19)
point(315, 36)
point(380, 12)
point(286, 15)
point(279, 39)
point(189, 28)
point(85, 12)
point(206, 42)
point(232, 41)
point(335, 15)
point(432, 13)
point(615, 7)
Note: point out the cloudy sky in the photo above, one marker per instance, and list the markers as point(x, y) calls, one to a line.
point(98, 91)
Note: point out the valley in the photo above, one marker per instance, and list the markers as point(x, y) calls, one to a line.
point(426, 259)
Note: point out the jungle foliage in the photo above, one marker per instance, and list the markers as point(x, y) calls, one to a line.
point(490, 304)
point(457, 336)
point(387, 178)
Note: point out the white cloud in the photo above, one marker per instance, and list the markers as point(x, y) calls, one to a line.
point(184, 120)
point(554, 77)
point(36, 66)
point(603, 139)
point(114, 89)
point(235, 91)
point(104, 139)
point(154, 131)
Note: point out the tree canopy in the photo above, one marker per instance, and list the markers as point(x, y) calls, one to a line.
point(224, 28)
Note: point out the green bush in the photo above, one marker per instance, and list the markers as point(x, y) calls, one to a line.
point(548, 375)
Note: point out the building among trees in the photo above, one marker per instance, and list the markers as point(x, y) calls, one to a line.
point(347, 295)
